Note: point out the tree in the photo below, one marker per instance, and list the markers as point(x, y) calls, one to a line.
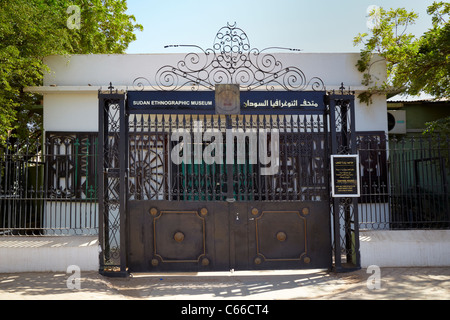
point(33, 29)
point(431, 65)
point(414, 64)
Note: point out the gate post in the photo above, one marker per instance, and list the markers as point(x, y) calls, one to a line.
point(112, 164)
point(344, 209)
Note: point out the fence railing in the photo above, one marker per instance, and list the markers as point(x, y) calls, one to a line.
point(51, 189)
point(406, 182)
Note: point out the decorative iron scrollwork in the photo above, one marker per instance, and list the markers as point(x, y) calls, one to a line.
point(230, 61)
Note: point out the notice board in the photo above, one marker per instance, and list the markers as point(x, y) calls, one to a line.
point(345, 180)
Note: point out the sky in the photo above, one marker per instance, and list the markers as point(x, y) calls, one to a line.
point(309, 25)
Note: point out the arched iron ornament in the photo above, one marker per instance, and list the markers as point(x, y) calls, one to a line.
point(230, 61)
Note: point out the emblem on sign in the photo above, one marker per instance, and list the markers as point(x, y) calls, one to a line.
point(227, 99)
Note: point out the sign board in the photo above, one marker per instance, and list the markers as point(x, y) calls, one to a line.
point(171, 101)
point(226, 101)
point(345, 180)
point(284, 102)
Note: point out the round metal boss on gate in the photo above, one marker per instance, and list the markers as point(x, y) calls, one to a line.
point(281, 236)
point(305, 211)
point(155, 262)
point(205, 262)
point(255, 211)
point(258, 260)
point(153, 211)
point(178, 236)
point(204, 212)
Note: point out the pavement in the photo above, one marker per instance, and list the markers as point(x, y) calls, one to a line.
point(364, 284)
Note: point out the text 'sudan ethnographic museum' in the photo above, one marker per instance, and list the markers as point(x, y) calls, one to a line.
point(228, 157)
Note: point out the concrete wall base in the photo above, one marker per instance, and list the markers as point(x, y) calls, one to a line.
point(48, 254)
point(405, 248)
point(384, 248)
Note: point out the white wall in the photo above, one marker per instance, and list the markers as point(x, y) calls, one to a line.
point(122, 69)
point(371, 117)
point(71, 112)
point(48, 254)
point(70, 89)
point(405, 248)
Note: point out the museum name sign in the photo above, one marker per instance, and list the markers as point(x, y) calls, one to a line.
point(203, 102)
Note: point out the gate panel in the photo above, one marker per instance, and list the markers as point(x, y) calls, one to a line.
point(344, 209)
point(204, 236)
point(112, 188)
point(294, 235)
point(178, 236)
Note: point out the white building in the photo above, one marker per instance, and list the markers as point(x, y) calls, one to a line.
point(71, 111)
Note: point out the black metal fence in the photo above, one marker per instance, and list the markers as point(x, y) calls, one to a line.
point(51, 189)
point(404, 182)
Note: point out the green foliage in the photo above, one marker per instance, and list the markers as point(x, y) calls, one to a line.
point(439, 127)
point(33, 29)
point(414, 64)
point(105, 27)
point(438, 132)
point(431, 65)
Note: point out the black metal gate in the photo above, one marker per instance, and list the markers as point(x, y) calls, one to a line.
point(164, 207)
point(222, 215)
point(187, 186)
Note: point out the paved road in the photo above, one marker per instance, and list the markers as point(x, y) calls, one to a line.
point(395, 283)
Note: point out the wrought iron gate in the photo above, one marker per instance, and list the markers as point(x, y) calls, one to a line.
point(190, 213)
point(198, 215)
point(260, 199)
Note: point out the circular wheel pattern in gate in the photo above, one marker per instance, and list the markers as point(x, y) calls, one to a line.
point(146, 163)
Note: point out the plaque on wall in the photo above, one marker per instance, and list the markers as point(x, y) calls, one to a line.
point(345, 175)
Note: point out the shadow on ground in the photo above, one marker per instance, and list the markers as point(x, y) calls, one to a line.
point(396, 283)
point(229, 285)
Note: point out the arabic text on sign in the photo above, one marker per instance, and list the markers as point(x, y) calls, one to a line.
point(280, 104)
